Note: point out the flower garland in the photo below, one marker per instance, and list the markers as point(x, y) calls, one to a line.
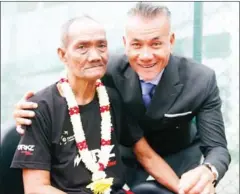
point(97, 168)
point(100, 184)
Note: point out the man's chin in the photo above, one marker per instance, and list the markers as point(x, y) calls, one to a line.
point(148, 76)
point(95, 76)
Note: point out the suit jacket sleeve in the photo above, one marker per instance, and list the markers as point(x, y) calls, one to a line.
point(131, 131)
point(211, 129)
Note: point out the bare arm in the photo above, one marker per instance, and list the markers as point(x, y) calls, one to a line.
point(38, 182)
point(155, 165)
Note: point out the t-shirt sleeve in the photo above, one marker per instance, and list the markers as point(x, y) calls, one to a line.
point(33, 151)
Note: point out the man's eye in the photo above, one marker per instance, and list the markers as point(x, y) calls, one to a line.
point(157, 44)
point(102, 46)
point(136, 45)
point(81, 47)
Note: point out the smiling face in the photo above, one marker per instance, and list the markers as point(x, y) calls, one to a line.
point(148, 44)
point(85, 53)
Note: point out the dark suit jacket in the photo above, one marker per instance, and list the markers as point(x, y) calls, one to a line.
point(185, 87)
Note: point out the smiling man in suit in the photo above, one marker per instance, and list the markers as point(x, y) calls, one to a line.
point(163, 93)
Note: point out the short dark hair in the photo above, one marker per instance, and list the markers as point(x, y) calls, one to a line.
point(149, 10)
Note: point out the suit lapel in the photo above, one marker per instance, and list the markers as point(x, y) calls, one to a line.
point(130, 89)
point(166, 91)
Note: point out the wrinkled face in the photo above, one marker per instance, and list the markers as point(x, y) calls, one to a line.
point(86, 52)
point(148, 44)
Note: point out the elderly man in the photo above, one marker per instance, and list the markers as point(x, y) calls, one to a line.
point(162, 93)
point(71, 146)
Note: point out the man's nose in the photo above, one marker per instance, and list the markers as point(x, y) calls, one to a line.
point(94, 55)
point(146, 54)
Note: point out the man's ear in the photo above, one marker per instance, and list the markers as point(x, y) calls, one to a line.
point(172, 40)
point(62, 54)
point(125, 44)
point(124, 41)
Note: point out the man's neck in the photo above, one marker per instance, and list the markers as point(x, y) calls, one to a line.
point(155, 80)
point(84, 91)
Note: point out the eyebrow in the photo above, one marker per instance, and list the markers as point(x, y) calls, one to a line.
point(155, 38)
point(88, 41)
point(96, 40)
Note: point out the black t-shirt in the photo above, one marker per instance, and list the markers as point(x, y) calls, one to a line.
point(49, 144)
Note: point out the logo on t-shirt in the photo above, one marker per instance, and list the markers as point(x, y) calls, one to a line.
point(26, 149)
point(95, 155)
point(65, 138)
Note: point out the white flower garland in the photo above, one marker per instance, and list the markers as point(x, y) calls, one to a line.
point(100, 183)
point(97, 168)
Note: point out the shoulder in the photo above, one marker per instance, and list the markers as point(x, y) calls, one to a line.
point(115, 101)
point(191, 70)
point(45, 98)
point(114, 96)
point(45, 94)
point(116, 63)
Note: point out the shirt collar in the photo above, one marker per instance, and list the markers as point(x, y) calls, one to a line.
point(155, 80)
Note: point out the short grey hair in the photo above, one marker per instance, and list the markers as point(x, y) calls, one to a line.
point(149, 10)
point(66, 26)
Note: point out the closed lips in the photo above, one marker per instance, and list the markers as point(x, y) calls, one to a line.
point(94, 66)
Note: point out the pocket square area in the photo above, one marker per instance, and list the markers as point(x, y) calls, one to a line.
point(178, 114)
